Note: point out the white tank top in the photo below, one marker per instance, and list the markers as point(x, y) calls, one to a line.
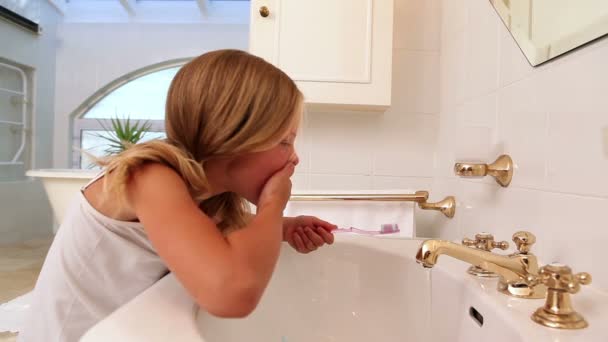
point(95, 264)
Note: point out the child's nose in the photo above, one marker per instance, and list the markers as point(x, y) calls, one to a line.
point(295, 159)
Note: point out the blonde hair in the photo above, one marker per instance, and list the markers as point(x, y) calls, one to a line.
point(220, 104)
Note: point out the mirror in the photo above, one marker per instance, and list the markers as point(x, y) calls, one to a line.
point(545, 29)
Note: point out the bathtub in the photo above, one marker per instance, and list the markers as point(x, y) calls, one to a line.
point(359, 289)
point(61, 185)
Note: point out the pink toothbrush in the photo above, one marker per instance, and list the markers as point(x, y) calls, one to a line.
point(386, 228)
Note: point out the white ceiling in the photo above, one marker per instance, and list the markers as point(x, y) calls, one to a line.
point(171, 11)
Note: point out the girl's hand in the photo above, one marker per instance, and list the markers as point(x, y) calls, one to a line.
point(307, 233)
point(277, 189)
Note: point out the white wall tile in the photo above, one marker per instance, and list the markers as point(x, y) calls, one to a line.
point(454, 16)
point(302, 146)
point(574, 233)
point(550, 119)
point(482, 48)
point(513, 63)
point(445, 155)
point(478, 208)
point(340, 182)
point(341, 143)
point(523, 132)
point(299, 181)
point(415, 81)
point(576, 162)
point(479, 111)
point(453, 66)
point(417, 25)
point(406, 145)
point(473, 143)
point(410, 183)
point(475, 132)
point(577, 83)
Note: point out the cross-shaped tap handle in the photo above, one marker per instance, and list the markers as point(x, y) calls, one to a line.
point(485, 241)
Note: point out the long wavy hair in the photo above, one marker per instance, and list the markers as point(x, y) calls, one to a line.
point(220, 104)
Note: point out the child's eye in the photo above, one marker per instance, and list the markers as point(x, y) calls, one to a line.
point(285, 143)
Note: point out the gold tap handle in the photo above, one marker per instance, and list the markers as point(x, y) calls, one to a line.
point(583, 278)
point(468, 242)
point(524, 241)
point(559, 277)
point(558, 311)
point(485, 241)
point(500, 244)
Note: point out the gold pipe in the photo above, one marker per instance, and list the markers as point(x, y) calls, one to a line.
point(446, 206)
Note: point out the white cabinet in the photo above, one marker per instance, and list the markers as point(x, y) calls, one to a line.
point(339, 52)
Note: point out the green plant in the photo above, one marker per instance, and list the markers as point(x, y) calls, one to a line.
point(123, 134)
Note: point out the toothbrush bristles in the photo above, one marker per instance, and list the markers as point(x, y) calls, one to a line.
point(389, 228)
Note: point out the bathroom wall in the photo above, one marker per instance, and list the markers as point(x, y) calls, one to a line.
point(387, 150)
point(91, 55)
point(390, 150)
point(24, 210)
point(551, 119)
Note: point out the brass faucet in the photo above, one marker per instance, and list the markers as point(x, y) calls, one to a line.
point(513, 270)
point(558, 311)
point(485, 242)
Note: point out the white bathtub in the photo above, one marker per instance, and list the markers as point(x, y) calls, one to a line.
point(359, 289)
point(61, 185)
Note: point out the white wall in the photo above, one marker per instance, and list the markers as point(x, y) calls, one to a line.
point(551, 119)
point(394, 160)
point(462, 90)
point(24, 210)
point(391, 150)
point(91, 55)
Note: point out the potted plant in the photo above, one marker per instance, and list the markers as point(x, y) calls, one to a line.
point(123, 134)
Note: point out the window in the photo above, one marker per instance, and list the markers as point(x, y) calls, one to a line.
point(139, 96)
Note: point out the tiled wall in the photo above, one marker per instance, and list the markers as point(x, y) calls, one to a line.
point(552, 120)
point(394, 149)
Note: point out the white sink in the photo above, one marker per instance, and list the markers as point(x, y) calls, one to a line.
point(347, 292)
point(359, 289)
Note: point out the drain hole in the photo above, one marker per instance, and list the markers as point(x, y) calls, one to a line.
point(477, 317)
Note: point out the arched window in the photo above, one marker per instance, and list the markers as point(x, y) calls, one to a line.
point(139, 96)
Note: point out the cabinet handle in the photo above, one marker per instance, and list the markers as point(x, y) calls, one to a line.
point(264, 11)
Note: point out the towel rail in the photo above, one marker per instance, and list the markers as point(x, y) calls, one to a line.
point(447, 206)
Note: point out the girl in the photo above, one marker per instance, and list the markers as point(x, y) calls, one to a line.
point(179, 204)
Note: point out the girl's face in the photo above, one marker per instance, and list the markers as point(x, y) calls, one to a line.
point(247, 174)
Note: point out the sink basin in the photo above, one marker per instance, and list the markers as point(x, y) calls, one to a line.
point(359, 289)
point(346, 292)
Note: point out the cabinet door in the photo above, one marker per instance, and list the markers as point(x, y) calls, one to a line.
point(338, 51)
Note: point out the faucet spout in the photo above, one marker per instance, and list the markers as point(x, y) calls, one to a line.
point(513, 270)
